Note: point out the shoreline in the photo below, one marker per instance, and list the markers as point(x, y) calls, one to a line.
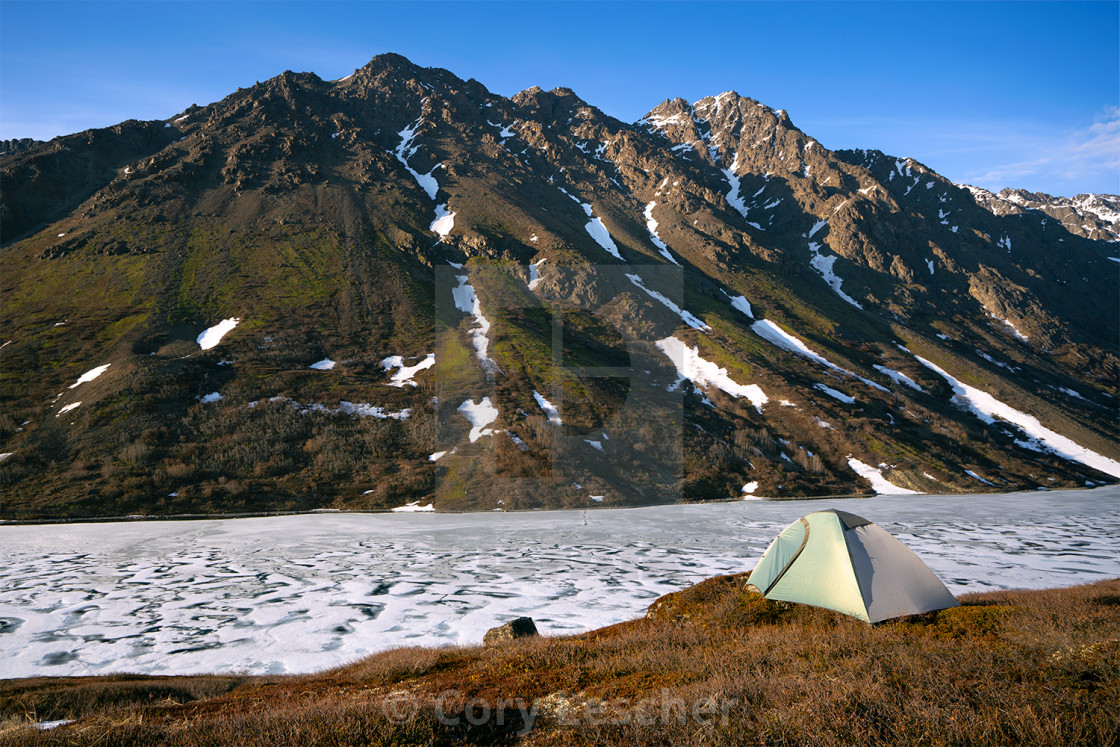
point(592, 507)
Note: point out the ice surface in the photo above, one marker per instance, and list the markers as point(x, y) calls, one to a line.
point(480, 415)
point(303, 593)
point(324, 365)
point(444, 221)
point(879, 484)
point(685, 316)
point(549, 409)
point(212, 336)
point(403, 377)
point(988, 408)
point(704, 373)
point(90, 375)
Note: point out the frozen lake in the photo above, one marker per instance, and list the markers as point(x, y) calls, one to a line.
point(300, 593)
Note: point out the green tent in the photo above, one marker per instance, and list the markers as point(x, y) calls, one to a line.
point(842, 562)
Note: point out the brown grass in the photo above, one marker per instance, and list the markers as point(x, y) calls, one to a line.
point(711, 665)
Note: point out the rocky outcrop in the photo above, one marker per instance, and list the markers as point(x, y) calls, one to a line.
point(522, 627)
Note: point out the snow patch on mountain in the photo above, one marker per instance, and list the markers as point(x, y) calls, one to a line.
point(704, 373)
point(600, 233)
point(404, 374)
point(733, 198)
point(899, 378)
point(479, 415)
point(443, 222)
point(774, 334)
point(987, 408)
point(406, 150)
point(535, 273)
point(467, 301)
point(90, 375)
point(874, 475)
point(212, 336)
point(835, 394)
point(823, 264)
point(739, 302)
point(651, 226)
point(685, 316)
point(549, 409)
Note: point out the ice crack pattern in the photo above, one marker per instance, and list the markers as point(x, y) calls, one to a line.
point(302, 593)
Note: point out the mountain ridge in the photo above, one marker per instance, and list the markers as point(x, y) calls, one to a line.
point(332, 217)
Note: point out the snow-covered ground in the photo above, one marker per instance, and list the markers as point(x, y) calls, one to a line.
point(300, 593)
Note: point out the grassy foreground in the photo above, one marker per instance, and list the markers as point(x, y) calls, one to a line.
point(710, 665)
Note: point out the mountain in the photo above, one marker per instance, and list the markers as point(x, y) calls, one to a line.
point(401, 290)
point(1090, 215)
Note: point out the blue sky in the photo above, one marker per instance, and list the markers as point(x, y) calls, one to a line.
point(1023, 94)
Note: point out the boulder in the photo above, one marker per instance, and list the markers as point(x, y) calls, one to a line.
point(522, 627)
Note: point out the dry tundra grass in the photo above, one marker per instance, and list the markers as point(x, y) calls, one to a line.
point(710, 665)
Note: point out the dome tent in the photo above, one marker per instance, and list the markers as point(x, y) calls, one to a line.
point(843, 562)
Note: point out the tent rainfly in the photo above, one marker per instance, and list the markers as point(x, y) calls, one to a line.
point(842, 562)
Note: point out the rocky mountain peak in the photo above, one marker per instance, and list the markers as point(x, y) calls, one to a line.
point(809, 290)
point(558, 105)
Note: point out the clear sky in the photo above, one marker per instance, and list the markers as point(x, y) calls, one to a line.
point(1022, 94)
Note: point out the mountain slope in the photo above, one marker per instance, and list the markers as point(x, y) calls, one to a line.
point(523, 302)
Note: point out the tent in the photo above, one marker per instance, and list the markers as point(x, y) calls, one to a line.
point(842, 562)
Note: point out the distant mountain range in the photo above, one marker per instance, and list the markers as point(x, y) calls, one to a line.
point(399, 290)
